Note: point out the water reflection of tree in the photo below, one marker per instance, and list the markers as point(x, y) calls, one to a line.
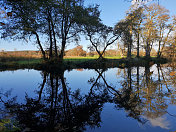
point(153, 97)
point(168, 76)
point(154, 91)
point(57, 108)
point(124, 98)
point(143, 94)
point(129, 99)
point(144, 97)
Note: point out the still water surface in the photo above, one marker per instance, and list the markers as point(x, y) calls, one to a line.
point(89, 100)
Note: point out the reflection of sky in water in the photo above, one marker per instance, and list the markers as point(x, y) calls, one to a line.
point(20, 82)
point(79, 79)
point(160, 122)
point(24, 82)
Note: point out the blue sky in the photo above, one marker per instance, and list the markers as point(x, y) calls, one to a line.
point(111, 12)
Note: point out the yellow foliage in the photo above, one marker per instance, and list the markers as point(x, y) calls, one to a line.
point(173, 73)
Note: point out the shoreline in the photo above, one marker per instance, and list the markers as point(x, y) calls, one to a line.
point(69, 64)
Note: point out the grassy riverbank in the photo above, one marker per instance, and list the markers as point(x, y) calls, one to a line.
point(73, 63)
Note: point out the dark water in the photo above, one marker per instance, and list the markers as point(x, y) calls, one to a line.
point(81, 100)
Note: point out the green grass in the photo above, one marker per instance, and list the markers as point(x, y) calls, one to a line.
point(30, 61)
point(76, 62)
point(80, 59)
point(76, 58)
point(19, 63)
point(114, 57)
point(33, 61)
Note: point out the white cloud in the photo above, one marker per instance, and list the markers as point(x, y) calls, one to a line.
point(160, 122)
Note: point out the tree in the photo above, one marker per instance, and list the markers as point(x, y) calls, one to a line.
point(138, 16)
point(53, 21)
point(49, 10)
point(99, 35)
point(124, 29)
point(162, 26)
point(150, 30)
point(102, 37)
point(24, 23)
point(149, 23)
point(70, 11)
point(173, 45)
point(169, 50)
point(169, 39)
point(130, 29)
point(157, 28)
point(77, 51)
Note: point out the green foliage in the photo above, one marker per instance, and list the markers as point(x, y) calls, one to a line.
point(8, 125)
point(50, 22)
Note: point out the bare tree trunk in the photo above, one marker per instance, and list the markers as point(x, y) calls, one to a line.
point(100, 54)
point(61, 56)
point(41, 48)
point(129, 51)
point(138, 41)
point(100, 57)
point(54, 37)
point(51, 41)
point(147, 53)
point(129, 45)
point(96, 48)
point(55, 43)
point(159, 50)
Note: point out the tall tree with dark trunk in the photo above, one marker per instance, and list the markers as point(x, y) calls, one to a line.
point(138, 16)
point(69, 14)
point(102, 38)
point(99, 35)
point(25, 22)
point(124, 29)
point(52, 20)
point(129, 28)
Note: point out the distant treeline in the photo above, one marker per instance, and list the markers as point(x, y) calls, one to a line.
point(79, 52)
point(21, 54)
